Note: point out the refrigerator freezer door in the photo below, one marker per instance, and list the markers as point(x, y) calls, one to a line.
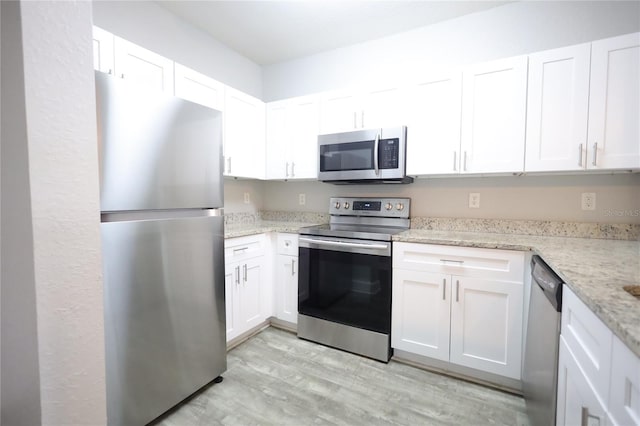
point(164, 313)
point(156, 151)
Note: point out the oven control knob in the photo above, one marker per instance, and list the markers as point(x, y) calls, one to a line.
point(400, 206)
point(389, 206)
point(346, 205)
point(337, 206)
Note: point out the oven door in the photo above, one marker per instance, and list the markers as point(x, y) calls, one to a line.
point(346, 281)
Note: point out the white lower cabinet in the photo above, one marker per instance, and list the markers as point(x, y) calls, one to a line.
point(246, 285)
point(598, 376)
point(286, 278)
point(462, 305)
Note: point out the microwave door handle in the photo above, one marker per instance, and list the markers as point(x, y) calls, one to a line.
point(376, 146)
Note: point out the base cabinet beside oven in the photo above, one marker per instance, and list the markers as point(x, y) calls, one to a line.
point(286, 276)
point(459, 305)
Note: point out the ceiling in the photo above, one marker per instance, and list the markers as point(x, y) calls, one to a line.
point(269, 32)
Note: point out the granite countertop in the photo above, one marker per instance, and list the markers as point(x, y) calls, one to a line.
point(262, 226)
point(595, 269)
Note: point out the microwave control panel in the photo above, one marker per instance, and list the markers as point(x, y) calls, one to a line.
point(389, 153)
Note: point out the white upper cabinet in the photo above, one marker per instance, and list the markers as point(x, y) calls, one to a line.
point(557, 109)
point(103, 50)
point(614, 104)
point(343, 111)
point(292, 138)
point(493, 116)
point(198, 88)
point(244, 135)
point(143, 67)
point(432, 113)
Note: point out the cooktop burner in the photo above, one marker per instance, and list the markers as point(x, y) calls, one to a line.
point(364, 218)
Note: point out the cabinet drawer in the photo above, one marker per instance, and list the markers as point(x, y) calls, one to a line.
point(624, 400)
point(463, 261)
point(287, 244)
point(238, 249)
point(589, 340)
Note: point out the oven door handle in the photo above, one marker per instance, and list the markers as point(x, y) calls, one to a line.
point(344, 244)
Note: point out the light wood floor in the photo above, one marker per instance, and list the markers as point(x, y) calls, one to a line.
point(275, 378)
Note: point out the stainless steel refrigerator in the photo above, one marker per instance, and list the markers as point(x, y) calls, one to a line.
point(162, 232)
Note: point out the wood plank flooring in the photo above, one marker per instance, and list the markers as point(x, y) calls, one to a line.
point(275, 378)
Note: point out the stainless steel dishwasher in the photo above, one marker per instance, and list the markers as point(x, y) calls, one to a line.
point(540, 374)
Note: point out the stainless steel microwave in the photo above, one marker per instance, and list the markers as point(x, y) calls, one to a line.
point(364, 156)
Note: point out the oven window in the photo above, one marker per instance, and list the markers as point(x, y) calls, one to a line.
point(347, 156)
point(348, 288)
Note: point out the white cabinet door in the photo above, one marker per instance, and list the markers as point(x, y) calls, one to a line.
point(143, 67)
point(251, 293)
point(486, 325)
point(381, 108)
point(557, 109)
point(614, 104)
point(287, 288)
point(338, 112)
point(244, 135)
point(421, 313)
point(304, 127)
point(577, 401)
point(433, 125)
point(493, 116)
point(232, 287)
point(103, 50)
point(624, 397)
point(198, 88)
point(277, 166)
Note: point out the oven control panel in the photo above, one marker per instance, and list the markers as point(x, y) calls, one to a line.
point(378, 207)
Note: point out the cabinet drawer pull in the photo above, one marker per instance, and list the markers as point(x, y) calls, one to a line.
point(444, 288)
point(459, 262)
point(457, 290)
point(241, 249)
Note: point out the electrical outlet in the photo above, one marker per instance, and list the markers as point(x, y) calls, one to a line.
point(247, 198)
point(474, 200)
point(302, 199)
point(588, 201)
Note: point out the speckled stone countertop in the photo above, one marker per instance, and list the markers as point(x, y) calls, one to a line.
point(262, 226)
point(595, 269)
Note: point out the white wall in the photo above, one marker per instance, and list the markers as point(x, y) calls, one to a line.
point(513, 29)
point(63, 188)
point(154, 28)
point(19, 374)
point(501, 197)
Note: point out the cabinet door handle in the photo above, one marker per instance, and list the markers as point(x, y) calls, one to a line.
point(293, 168)
point(455, 157)
point(238, 275)
point(286, 173)
point(444, 288)
point(228, 164)
point(362, 119)
point(110, 71)
point(595, 154)
point(585, 416)
point(293, 262)
point(457, 290)
point(464, 167)
point(580, 155)
point(355, 124)
point(245, 273)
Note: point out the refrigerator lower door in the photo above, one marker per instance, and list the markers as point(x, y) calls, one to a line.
point(164, 313)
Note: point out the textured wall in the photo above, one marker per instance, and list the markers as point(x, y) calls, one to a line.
point(153, 27)
point(63, 173)
point(513, 29)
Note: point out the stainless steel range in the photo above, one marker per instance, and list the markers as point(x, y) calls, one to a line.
point(344, 284)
